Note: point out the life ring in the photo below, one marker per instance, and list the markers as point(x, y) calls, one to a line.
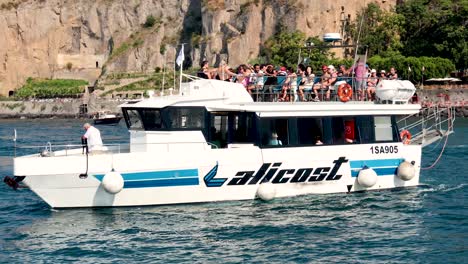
point(345, 92)
point(405, 136)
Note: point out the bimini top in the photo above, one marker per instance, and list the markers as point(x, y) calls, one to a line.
point(218, 95)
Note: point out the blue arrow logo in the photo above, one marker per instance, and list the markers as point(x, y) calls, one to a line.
point(209, 179)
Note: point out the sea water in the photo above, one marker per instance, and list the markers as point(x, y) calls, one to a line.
point(428, 224)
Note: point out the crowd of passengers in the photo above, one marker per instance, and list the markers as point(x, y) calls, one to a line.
point(277, 83)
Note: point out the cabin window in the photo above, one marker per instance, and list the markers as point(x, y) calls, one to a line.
point(242, 130)
point(133, 119)
point(365, 129)
point(169, 118)
point(185, 117)
point(218, 129)
point(275, 132)
point(309, 131)
point(383, 128)
point(152, 119)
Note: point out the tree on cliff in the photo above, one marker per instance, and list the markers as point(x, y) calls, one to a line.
point(417, 28)
point(284, 47)
point(436, 28)
point(378, 30)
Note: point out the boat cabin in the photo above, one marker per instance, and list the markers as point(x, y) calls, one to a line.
point(224, 115)
point(222, 129)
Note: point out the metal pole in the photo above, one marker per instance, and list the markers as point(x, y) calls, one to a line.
point(14, 147)
point(164, 74)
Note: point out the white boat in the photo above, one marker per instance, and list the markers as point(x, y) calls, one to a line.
point(104, 118)
point(214, 143)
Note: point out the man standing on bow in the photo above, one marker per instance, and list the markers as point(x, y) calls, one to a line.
point(93, 136)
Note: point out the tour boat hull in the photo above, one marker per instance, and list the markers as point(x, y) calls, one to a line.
point(210, 175)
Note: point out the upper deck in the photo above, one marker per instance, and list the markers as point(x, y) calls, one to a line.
point(218, 95)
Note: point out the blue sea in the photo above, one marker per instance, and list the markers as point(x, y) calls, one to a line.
point(428, 224)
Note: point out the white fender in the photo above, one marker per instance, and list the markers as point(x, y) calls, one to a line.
point(406, 171)
point(367, 177)
point(266, 191)
point(112, 182)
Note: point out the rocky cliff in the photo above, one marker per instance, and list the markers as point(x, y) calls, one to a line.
point(81, 38)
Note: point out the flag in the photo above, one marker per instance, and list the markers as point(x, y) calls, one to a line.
point(409, 68)
point(181, 57)
point(423, 69)
point(14, 138)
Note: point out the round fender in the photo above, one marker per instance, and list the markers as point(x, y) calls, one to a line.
point(266, 191)
point(406, 171)
point(367, 177)
point(112, 182)
point(405, 136)
point(345, 92)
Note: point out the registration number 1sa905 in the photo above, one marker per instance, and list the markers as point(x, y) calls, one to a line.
point(384, 149)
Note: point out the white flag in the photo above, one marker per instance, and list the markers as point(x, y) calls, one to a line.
point(14, 138)
point(181, 57)
point(409, 68)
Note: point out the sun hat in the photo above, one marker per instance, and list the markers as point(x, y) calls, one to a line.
point(331, 67)
point(373, 70)
point(382, 71)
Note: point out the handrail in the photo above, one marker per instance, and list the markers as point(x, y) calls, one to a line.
point(118, 147)
point(433, 119)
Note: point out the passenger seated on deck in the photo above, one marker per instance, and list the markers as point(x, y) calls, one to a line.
point(274, 141)
point(205, 71)
point(323, 82)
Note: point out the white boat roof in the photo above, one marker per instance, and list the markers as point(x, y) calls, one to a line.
point(218, 95)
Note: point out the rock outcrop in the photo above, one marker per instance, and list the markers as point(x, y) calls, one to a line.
point(83, 38)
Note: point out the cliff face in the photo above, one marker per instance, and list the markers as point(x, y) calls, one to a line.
point(75, 39)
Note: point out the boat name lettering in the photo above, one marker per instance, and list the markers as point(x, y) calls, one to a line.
point(384, 149)
point(269, 172)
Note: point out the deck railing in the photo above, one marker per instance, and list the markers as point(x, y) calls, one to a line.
point(50, 149)
point(436, 121)
point(293, 89)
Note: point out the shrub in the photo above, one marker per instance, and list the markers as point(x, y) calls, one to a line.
point(69, 66)
point(150, 21)
point(44, 88)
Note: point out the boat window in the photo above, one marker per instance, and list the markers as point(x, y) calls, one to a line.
point(218, 129)
point(151, 119)
point(185, 117)
point(275, 132)
point(383, 128)
point(133, 119)
point(310, 131)
point(365, 127)
point(242, 128)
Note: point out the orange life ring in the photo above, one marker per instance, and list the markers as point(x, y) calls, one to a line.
point(405, 136)
point(345, 92)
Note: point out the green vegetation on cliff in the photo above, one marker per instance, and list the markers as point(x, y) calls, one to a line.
point(45, 88)
point(416, 28)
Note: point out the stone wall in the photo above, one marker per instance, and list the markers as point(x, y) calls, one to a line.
point(54, 108)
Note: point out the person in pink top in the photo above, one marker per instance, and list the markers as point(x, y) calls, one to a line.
point(360, 73)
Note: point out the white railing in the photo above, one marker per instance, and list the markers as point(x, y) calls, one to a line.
point(431, 122)
point(55, 150)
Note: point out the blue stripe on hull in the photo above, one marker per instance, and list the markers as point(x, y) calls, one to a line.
point(382, 167)
point(379, 171)
point(161, 183)
point(355, 164)
point(158, 178)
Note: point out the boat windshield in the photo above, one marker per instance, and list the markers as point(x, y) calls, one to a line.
point(168, 118)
